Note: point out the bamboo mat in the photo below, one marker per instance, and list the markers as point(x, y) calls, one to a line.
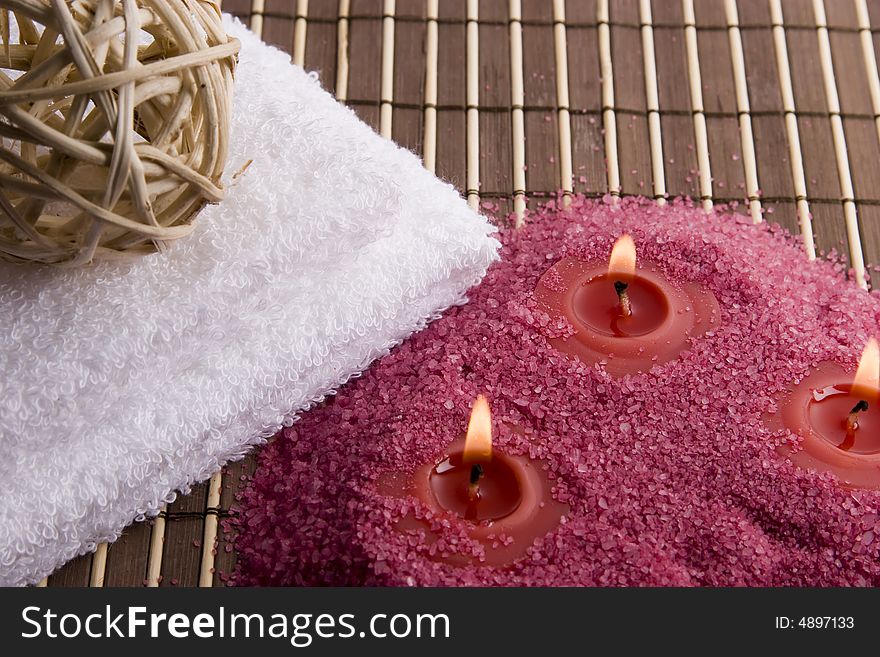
point(771, 103)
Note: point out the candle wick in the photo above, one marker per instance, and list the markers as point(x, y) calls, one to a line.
point(625, 307)
point(852, 424)
point(474, 484)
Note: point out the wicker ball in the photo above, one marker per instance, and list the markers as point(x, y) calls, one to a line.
point(115, 124)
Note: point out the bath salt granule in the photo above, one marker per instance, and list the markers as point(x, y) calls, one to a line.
point(672, 475)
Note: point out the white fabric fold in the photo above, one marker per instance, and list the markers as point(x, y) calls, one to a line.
point(122, 383)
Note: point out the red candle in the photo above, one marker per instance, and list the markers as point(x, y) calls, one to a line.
point(628, 318)
point(494, 493)
point(838, 418)
point(505, 500)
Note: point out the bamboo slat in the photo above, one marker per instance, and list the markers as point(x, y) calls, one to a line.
point(847, 195)
point(473, 102)
point(258, 8)
point(791, 126)
point(429, 140)
point(342, 51)
point(157, 547)
point(99, 566)
point(299, 32)
point(209, 537)
point(696, 88)
point(563, 118)
point(517, 100)
point(658, 172)
point(387, 91)
point(743, 108)
point(609, 118)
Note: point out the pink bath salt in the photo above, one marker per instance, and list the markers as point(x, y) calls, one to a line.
point(671, 476)
point(553, 280)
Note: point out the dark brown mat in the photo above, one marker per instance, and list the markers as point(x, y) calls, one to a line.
point(312, 29)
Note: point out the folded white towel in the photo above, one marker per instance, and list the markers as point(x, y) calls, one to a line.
point(121, 383)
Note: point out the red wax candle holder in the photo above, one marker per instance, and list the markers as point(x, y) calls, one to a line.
point(817, 410)
point(664, 316)
point(515, 507)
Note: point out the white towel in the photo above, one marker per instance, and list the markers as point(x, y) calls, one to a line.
point(121, 383)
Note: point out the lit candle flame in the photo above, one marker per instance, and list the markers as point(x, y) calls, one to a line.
point(867, 381)
point(622, 262)
point(478, 441)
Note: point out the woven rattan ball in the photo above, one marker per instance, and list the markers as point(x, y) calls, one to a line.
point(114, 118)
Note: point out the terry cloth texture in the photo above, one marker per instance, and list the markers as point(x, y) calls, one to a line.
point(122, 383)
